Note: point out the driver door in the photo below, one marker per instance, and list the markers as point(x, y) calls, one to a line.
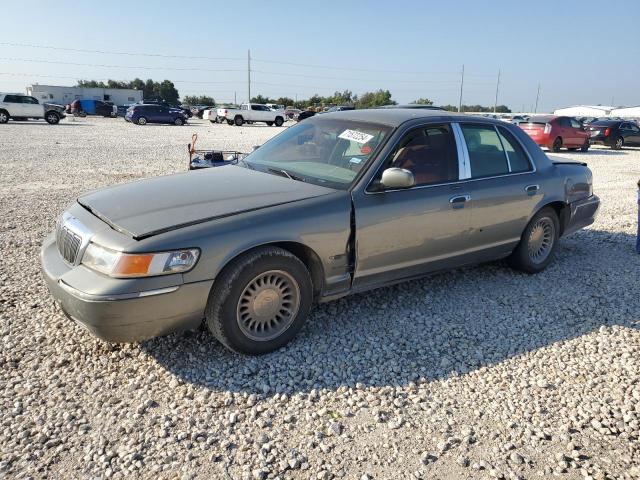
point(409, 232)
point(31, 108)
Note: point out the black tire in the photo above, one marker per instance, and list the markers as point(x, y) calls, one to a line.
point(238, 121)
point(52, 118)
point(618, 143)
point(279, 121)
point(4, 116)
point(224, 314)
point(270, 124)
point(214, 121)
point(178, 122)
point(524, 256)
point(585, 146)
point(142, 121)
point(229, 122)
point(572, 149)
point(557, 145)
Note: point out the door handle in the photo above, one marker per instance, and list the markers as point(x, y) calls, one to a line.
point(459, 200)
point(532, 189)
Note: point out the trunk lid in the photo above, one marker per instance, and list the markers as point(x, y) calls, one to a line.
point(148, 207)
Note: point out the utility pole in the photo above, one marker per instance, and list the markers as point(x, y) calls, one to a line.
point(235, 101)
point(537, 98)
point(461, 86)
point(248, 76)
point(495, 104)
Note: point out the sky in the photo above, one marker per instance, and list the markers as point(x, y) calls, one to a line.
point(578, 52)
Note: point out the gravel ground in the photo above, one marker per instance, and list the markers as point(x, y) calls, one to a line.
point(480, 372)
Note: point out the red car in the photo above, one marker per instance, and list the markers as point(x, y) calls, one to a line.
point(557, 132)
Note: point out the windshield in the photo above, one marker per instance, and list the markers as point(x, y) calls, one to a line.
point(328, 152)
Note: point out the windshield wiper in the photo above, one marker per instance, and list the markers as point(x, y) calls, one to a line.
point(245, 163)
point(285, 173)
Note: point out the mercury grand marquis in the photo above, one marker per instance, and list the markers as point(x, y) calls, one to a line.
point(340, 203)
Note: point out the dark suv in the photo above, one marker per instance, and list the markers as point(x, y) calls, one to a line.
point(614, 133)
point(143, 114)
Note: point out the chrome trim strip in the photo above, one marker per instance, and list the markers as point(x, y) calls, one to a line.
point(110, 298)
point(76, 226)
point(461, 144)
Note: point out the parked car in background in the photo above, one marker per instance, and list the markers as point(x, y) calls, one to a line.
point(92, 107)
point(16, 106)
point(338, 204)
point(292, 113)
point(184, 108)
point(306, 114)
point(556, 133)
point(614, 133)
point(274, 106)
point(340, 108)
point(251, 113)
point(151, 113)
point(198, 110)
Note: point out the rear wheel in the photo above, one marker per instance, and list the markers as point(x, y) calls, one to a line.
point(557, 145)
point(279, 121)
point(572, 149)
point(260, 301)
point(270, 124)
point(238, 121)
point(142, 121)
point(4, 116)
point(585, 146)
point(229, 122)
point(538, 243)
point(178, 121)
point(618, 143)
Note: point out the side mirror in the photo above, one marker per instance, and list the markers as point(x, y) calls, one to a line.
point(397, 178)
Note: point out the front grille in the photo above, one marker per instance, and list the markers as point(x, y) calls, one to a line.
point(68, 243)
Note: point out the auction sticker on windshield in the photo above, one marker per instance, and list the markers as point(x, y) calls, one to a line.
point(355, 136)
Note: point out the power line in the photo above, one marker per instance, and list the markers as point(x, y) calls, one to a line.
point(107, 52)
point(33, 60)
point(107, 79)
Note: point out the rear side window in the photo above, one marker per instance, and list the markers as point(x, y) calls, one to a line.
point(486, 154)
point(575, 123)
point(518, 159)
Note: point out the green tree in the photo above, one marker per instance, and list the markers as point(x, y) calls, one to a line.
point(423, 101)
point(375, 99)
point(198, 100)
point(261, 99)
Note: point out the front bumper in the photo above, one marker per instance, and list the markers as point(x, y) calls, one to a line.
point(583, 213)
point(138, 315)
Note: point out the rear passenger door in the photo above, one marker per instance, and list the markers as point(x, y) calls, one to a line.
point(13, 103)
point(503, 187)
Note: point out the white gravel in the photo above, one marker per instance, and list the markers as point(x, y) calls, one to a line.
point(481, 372)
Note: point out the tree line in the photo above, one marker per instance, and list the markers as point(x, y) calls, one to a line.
point(167, 91)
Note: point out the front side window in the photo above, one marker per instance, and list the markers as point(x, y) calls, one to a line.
point(486, 154)
point(429, 153)
point(575, 123)
point(326, 152)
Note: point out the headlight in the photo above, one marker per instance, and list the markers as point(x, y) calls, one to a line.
point(125, 265)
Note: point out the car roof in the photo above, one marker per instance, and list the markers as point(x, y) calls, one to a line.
point(395, 117)
point(606, 122)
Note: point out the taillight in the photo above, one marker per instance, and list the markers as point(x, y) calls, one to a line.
point(547, 128)
point(607, 131)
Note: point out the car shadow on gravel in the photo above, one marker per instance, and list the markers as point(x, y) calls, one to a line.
point(447, 324)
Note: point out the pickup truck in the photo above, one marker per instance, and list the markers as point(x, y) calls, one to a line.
point(251, 113)
point(16, 106)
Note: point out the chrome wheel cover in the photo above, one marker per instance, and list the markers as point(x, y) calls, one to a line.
point(3, 117)
point(268, 305)
point(619, 143)
point(541, 238)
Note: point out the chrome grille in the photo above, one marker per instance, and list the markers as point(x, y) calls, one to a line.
point(68, 243)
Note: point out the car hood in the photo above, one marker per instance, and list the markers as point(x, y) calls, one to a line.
point(149, 207)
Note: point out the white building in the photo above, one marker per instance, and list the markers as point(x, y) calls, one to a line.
point(585, 111)
point(65, 95)
point(627, 112)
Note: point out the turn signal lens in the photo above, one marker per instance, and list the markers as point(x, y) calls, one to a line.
point(124, 265)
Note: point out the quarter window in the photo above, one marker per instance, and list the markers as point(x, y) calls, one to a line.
point(486, 154)
point(518, 159)
point(429, 153)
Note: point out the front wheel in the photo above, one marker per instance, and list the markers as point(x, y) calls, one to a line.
point(229, 122)
point(279, 121)
point(4, 116)
point(270, 124)
point(238, 121)
point(260, 301)
point(178, 121)
point(618, 143)
point(538, 243)
point(52, 118)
